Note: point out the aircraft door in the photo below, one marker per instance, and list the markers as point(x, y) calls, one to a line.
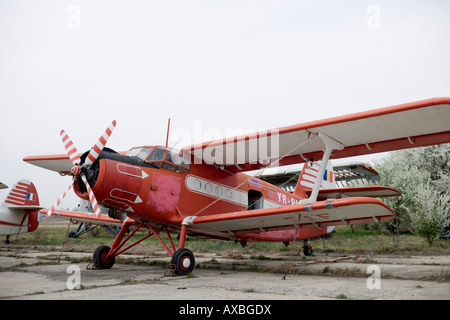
point(255, 200)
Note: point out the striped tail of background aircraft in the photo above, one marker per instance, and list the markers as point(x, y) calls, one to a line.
point(20, 210)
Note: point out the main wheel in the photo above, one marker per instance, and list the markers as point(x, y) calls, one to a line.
point(184, 261)
point(101, 259)
point(72, 234)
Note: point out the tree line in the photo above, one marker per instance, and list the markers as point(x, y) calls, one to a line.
point(422, 175)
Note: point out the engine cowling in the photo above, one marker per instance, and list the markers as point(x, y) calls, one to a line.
point(115, 180)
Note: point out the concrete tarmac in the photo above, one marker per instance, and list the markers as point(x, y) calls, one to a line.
point(33, 275)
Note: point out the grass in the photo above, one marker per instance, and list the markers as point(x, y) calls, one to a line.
point(360, 241)
point(346, 240)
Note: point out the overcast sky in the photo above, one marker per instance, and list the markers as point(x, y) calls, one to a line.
point(227, 65)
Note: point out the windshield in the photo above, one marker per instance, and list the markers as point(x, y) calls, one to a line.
point(161, 157)
point(140, 152)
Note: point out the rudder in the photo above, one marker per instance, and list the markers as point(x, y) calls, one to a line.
point(308, 177)
point(23, 193)
point(22, 203)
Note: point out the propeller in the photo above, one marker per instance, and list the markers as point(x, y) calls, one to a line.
point(77, 171)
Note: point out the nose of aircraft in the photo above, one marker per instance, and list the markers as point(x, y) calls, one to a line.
point(77, 171)
point(115, 179)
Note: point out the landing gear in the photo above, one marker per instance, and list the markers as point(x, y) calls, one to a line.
point(89, 227)
point(307, 250)
point(184, 261)
point(101, 259)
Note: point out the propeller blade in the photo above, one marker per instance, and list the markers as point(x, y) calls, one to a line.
point(92, 198)
point(76, 170)
point(70, 147)
point(57, 203)
point(98, 147)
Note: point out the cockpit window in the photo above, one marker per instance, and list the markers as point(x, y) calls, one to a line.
point(141, 153)
point(157, 155)
point(164, 158)
point(133, 152)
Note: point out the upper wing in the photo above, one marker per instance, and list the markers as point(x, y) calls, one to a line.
point(403, 126)
point(56, 162)
point(323, 213)
point(410, 125)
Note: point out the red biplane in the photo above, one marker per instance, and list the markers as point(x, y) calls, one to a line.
point(203, 190)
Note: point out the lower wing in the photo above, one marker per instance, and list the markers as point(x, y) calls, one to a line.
point(87, 218)
point(318, 214)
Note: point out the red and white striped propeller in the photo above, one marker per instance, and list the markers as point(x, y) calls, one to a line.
point(76, 169)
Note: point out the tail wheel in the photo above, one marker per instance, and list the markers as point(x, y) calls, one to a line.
point(184, 261)
point(101, 259)
point(307, 250)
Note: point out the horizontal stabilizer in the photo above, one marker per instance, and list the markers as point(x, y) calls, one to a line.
point(14, 207)
point(371, 191)
point(344, 174)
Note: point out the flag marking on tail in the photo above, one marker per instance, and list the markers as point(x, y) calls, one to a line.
point(19, 194)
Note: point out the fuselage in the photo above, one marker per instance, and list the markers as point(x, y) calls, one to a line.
point(155, 185)
point(14, 222)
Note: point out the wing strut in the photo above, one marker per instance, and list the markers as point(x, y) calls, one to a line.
point(330, 145)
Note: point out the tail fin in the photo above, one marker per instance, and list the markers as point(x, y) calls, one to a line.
point(23, 193)
point(308, 177)
point(20, 211)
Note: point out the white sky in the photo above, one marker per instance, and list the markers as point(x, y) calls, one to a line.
point(229, 65)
